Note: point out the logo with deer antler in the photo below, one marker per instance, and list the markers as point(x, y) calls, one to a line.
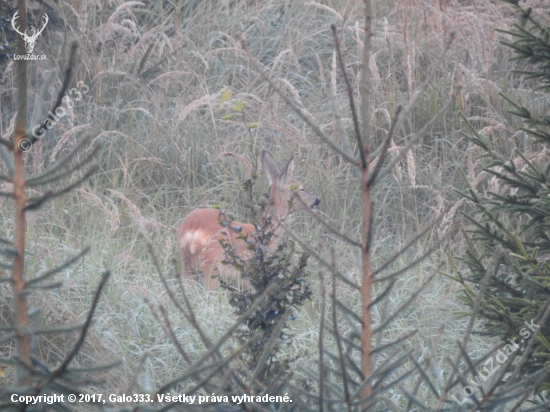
point(30, 41)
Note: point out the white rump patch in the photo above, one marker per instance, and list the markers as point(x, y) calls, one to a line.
point(192, 240)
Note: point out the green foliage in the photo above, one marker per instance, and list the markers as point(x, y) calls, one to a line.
point(532, 45)
point(508, 255)
point(278, 281)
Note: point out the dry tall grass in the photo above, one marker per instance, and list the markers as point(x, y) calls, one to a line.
point(156, 76)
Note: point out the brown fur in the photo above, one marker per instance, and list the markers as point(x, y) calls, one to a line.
point(200, 231)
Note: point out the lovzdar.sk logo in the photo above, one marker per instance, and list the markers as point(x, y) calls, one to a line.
point(29, 39)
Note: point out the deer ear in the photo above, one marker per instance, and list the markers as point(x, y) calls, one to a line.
point(270, 167)
point(288, 171)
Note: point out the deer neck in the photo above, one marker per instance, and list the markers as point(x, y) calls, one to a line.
point(277, 222)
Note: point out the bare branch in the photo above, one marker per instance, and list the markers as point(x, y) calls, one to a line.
point(316, 129)
point(318, 257)
point(416, 137)
point(414, 240)
point(360, 142)
point(427, 83)
point(51, 272)
point(320, 344)
point(385, 148)
point(57, 373)
point(35, 180)
point(338, 338)
point(411, 298)
point(36, 202)
point(67, 172)
point(7, 160)
point(64, 87)
point(327, 226)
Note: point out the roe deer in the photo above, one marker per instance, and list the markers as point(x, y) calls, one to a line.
point(200, 232)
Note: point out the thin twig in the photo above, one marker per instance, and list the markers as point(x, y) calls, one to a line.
point(343, 135)
point(411, 298)
point(411, 242)
point(318, 257)
point(417, 136)
point(395, 342)
point(133, 380)
point(81, 338)
point(89, 157)
point(385, 148)
point(64, 87)
point(477, 304)
point(173, 337)
point(545, 312)
point(315, 215)
point(190, 315)
point(57, 269)
point(35, 180)
point(338, 337)
point(427, 83)
point(351, 99)
point(320, 344)
point(316, 129)
point(36, 202)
